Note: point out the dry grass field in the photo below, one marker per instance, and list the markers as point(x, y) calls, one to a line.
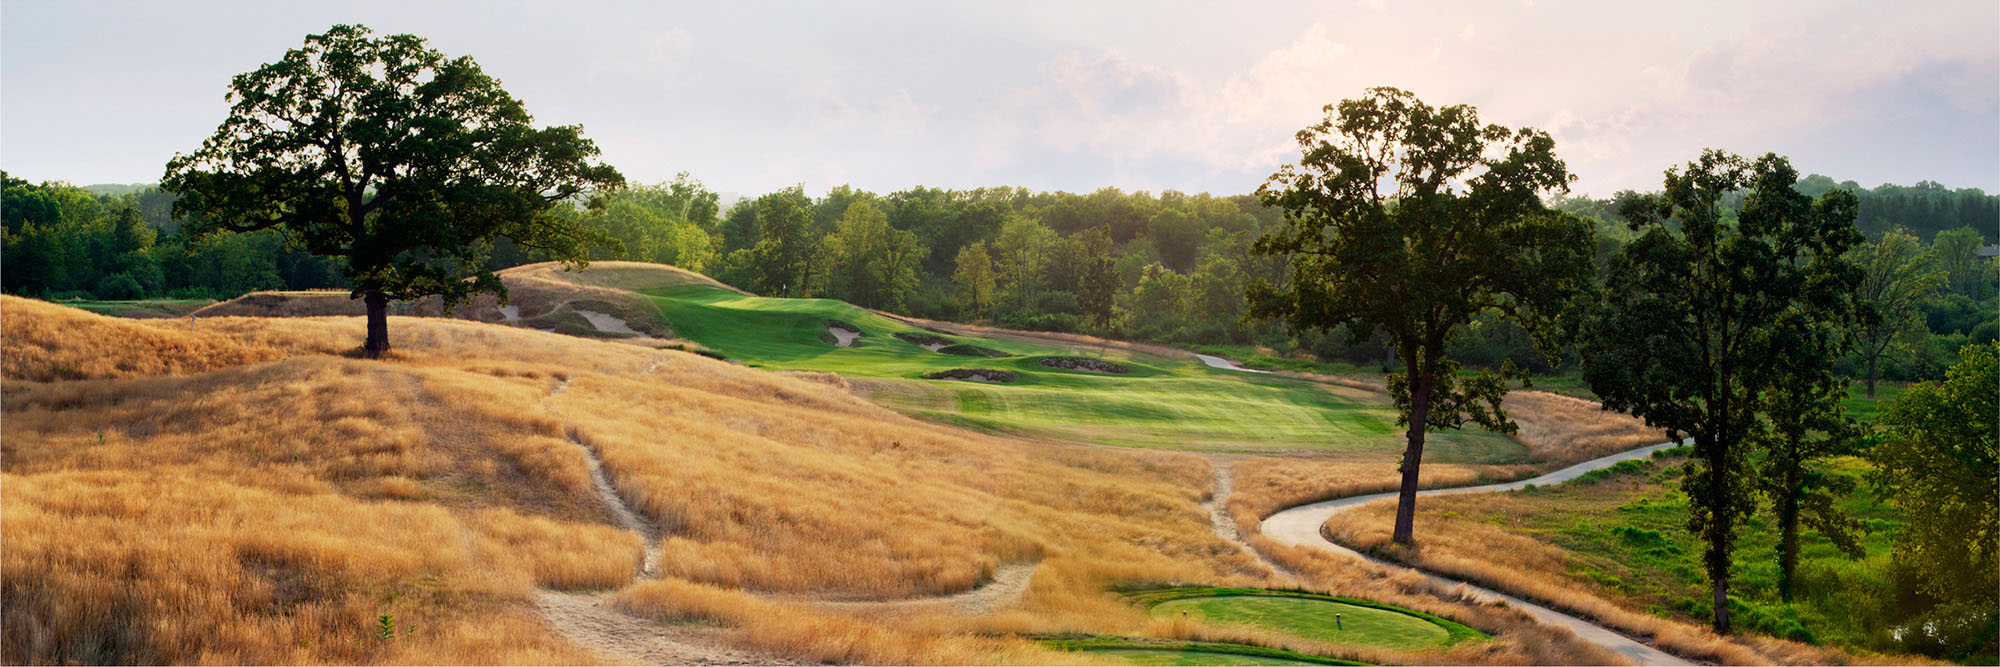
point(240, 490)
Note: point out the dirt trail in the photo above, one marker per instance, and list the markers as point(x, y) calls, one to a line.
point(1225, 525)
point(1009, 582)
point(590, 620)
point(1300, 527)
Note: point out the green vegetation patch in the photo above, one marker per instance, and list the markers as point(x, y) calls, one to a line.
point(1144, 651)
point(1309, 615)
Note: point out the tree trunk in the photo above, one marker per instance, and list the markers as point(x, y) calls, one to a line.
point(1406, 500)
point(1722, 605)
point(1871, 377)
point(378, 325)
point(1788, 539)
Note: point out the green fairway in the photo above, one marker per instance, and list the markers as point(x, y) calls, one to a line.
point(143, 307)
point(1157, 402)
point(1307, 615)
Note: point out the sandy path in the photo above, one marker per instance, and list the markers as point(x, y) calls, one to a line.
point(1225, 525)
point(590, 620)
point(1009, 582)
point(1219, 362)
point(1300, 527)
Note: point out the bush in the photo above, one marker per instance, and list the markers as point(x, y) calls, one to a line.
point(119, 287)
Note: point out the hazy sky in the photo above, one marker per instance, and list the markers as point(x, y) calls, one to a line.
point(750, 97)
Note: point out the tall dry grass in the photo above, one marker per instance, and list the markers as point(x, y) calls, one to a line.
point(1561, 430)
point(243, 493)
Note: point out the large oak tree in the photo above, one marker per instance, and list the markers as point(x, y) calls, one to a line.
point(1413, 220)
point(403, 161)
point(1709, 313)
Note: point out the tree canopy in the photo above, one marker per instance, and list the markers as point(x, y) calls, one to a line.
point(1709, 310)
point(1413, 220)
point(404, 161)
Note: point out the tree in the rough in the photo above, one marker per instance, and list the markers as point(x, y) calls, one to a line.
point(1708, 311)
point(1897, 275)
point(1805, 426)
point(1937, 464)
point(1412, 220)
point(974, 276)
point(405, 162)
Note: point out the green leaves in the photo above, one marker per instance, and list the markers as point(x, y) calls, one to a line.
point(403, 160)
point(1937, 465)
point(1412, 220)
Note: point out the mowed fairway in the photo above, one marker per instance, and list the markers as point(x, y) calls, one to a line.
point(1159, 402)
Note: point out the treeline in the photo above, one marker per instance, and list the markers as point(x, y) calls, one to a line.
point(60, 242)
point(1168, 268)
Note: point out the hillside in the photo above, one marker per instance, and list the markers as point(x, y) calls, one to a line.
point(231, 489)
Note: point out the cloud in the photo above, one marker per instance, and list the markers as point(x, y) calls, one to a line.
point(656, 56)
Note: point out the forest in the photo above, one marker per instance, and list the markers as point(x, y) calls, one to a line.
point(1169, 268)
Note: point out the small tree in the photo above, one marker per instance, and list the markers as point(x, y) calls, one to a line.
point(974, 275)
point(403, 161)
point(1805, 427)
point(1937, 465)
point(1413, 220)
point(1708, 311)
point(1897, 275)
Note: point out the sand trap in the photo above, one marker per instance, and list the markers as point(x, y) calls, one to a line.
point(607, 322)
point(843, 337)
point(1219, 362)
point(510, 313)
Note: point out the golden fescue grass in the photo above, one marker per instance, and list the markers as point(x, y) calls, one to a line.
point(1453, 542)
point(48, 342)
point(267, 506)
point(1560, 430)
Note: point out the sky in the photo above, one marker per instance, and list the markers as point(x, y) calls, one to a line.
point(750, 97)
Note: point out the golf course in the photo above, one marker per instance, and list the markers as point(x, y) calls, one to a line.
point(1142, 400)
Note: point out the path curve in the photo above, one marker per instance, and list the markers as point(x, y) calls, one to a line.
point(1300, 527)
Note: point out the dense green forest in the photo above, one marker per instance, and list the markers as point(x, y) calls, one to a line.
point(1170, 267)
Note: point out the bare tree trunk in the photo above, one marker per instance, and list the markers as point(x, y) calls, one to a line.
point(378, 325)
point(1722, 605)
point(1406, 499)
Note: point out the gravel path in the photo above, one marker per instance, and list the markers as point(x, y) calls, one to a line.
point(590, 620)
point(1300, 527)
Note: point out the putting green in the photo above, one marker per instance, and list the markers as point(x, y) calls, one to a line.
point(1159, 402)
point(1313, 619)
point(1148, 656)
point(1308, 615)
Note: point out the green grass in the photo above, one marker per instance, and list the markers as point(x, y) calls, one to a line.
point(1140, 651)
point(1309, 615)
point(1160, 402)
point(1630, 542)
point(142, 307)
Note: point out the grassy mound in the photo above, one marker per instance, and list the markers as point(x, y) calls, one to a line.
point(1146, 651)
point(244, 493)
point(1309, 615)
